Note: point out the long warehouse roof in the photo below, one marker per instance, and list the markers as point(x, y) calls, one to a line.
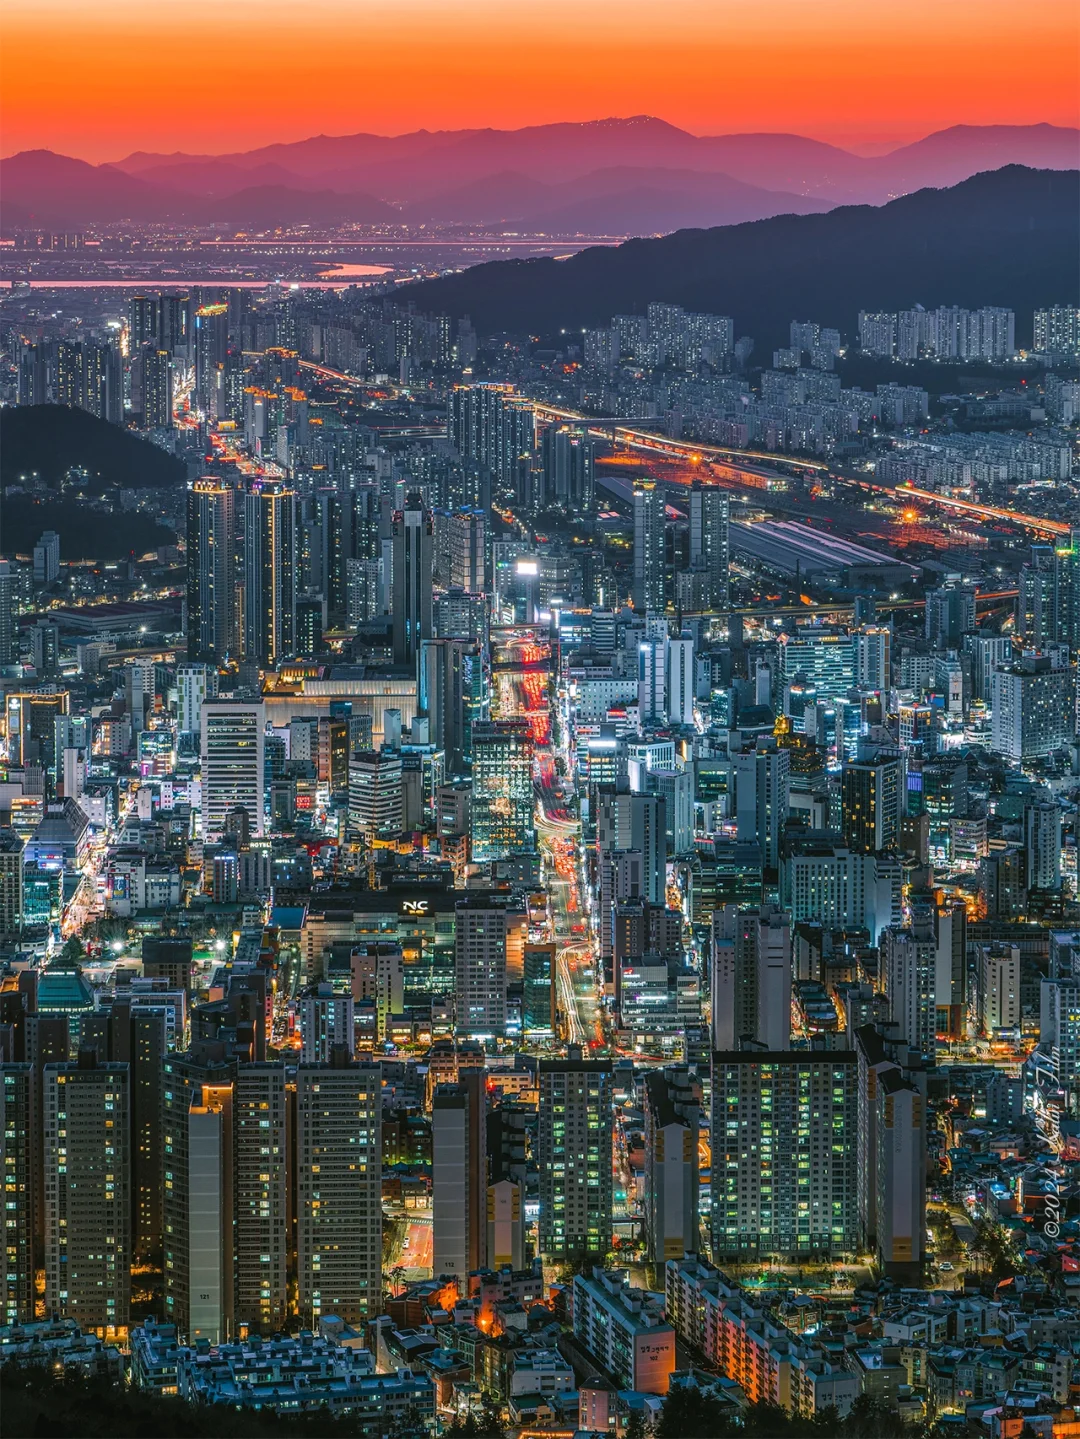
point(785, 542)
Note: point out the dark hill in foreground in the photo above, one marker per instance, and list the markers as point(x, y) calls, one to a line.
point(51, 439)
point(1004, 237)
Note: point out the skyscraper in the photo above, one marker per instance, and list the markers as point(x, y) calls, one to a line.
point(468, 551)
point(870, 806)
point(637, 823)
point(679, 686)
point(762, 792)
point(503, 803)
point(211, 571)
point(270, 574)
point(891, 1161)
point(480, 967)
point(709, 514)
point(326, 1022)
point(211, 355)
point(450, 691)
point(157, 388)
point(232, 756)
point(194, 684)
point(413, 557)
point(649, 569)
point(375, 792)
point(459, 1199)
point(909, 959)
point(575, 1157)
point(672, 1107)
point(873, 646)
point(751, 977)
point(1042, 841)
point(193, 1204)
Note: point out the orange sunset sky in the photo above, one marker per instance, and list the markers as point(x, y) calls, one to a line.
point(101, 79)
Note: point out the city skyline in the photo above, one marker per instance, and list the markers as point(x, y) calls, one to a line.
point(540, 720)
point(879, 77)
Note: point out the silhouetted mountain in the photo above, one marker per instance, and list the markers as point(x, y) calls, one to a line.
point(52, 438)
point(406, 169)
point(948, 156)
point(480, 176)
point(621, 200)
point(219, 177)
point(624, 201)
point(1006, 237)
point(40, 188)
point(57, 190)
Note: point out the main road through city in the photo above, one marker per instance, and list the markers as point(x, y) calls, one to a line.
point(525, 688)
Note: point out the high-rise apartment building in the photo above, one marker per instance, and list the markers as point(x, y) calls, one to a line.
point(261, 1237)
point(11, 882)
point(339, 1190)
point(1057, 331)
point(999, 988)
point(88, 1193)
point(575, 1157)
point(1033, 709)
point(679, 681)
point(468, 551)
point(1042, 844)
point(783, 1153)
point(19, 1136)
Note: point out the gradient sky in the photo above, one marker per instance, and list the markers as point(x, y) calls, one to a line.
point(99, 80)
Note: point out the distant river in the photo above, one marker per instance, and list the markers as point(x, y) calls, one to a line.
point(337, 279)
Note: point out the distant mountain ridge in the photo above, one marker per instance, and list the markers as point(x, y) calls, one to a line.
point(681, 178)
point(1004, 237)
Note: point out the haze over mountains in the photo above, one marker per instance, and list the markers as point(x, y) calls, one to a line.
point(619, 176)
point(1006, 237)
